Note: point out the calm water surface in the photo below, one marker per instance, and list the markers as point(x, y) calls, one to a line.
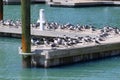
point(106, 69)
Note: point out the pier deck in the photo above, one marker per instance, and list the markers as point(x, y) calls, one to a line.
point(83, 3)
point(48, 57)
point(11, 2)
point(16, 32)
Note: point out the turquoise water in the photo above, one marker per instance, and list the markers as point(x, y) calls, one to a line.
point(106, 69)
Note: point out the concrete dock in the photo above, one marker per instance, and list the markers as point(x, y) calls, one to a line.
point(11, 31)
point(82, 3)
point(18, 1)
point(43, 56)
point(47, 56)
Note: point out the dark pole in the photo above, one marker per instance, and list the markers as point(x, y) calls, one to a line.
point(26, 38)
point(1, 9)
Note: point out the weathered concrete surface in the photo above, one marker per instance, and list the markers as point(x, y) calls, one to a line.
point(11, 31)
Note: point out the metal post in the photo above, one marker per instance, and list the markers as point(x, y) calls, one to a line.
point(1, 9)
point(26, 38)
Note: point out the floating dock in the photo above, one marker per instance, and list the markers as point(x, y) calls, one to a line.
point(82, 3)
point(47, 57)
point(16, 32)
point(14, 2)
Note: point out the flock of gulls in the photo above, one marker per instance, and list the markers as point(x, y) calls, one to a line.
point(102, 34)
point(11, 23)
point(16, 24)
point(68, 26)
point(66, 41)
point(55, 26)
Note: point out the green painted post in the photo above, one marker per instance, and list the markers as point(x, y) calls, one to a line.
point(1, 9)
point(26, 37)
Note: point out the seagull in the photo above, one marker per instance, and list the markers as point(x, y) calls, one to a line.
point(52, 44)
point(45, 42)
point(96, 41)
point(37, 42)
point(59, 40)
point(32, 41)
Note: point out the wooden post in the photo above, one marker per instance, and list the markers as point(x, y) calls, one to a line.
point(1, 9)
point(26, 38)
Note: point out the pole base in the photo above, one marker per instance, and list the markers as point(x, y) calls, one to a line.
point(26, 61)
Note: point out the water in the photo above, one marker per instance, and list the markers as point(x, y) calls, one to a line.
point(106, 69)
point(97, 16)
